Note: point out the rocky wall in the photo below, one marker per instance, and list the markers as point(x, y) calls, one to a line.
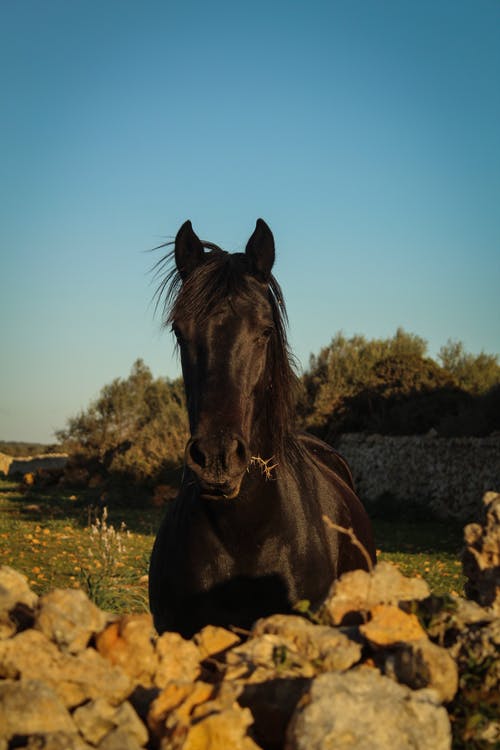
point(447, 476)
point(11, 466)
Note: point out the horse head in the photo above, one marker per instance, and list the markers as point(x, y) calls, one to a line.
point(228, 327)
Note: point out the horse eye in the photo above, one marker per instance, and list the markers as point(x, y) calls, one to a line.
point(266, 334)
point(175, 330)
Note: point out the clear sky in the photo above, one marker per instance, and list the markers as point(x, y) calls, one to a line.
point(365, 132)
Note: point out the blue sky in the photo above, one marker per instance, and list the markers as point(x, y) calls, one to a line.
point(366, 133)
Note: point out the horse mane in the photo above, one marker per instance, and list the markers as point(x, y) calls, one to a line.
point(219, 277)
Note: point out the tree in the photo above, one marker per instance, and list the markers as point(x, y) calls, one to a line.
point(475, 373)
point(137, 425)
point(346, 367)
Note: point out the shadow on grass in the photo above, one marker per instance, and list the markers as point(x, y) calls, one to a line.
point(418, 536)
point(81, 506)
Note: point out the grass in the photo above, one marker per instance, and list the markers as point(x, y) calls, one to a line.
point(52, 537)
point(47, 535)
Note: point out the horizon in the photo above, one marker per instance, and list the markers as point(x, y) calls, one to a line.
point(365, 134)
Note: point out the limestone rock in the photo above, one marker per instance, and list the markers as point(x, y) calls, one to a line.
point(119, 739)
point(170, 713)
point(31, 707)
point(424, 664)
point(129, 644)
point(98, 718)
point(213, 640)
point(390, 625)
point(199, 716)
point(29, 655)
point(56, 741)
point(358, 591)
point(327, 648)
point(178, 659)
point(14, 589)
point(363, 710)
point(17, 601)
point(69, 618)
point(220, 731)
point(481, 557)
point(272, 704)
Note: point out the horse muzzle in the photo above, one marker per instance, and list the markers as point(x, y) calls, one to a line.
point(219, 464)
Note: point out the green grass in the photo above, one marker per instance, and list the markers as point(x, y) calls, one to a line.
point(47, 536)
point(425, 549)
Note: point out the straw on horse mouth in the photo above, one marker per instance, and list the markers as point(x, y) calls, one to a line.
point(263, 464)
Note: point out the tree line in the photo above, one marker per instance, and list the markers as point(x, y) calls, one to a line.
point(138, 425)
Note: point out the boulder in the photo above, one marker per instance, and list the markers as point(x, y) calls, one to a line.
point(68, 618)
point(422, 663)
point(129, 643)
point(352, 596)
point(481, 557)
point(212, 641)
point(31, 707)
point(363, 710)
point(200, 716)
point(98, 718)
point(17, 601)
point(178, 659)
point(75, 679)
point(389, 625)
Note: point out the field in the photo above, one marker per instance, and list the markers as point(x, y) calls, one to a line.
point(58, 538)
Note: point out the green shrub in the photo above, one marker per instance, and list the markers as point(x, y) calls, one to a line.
point(137, 428)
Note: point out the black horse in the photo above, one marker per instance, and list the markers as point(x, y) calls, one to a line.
point(246, 535)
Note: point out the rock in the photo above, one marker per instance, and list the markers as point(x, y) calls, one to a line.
point(178, 659)
point(476, 652)
point(56, 741)
point(98, 718)
point(221, 731)
point(390, 625)
point(69, 618)
point(477, 649)
point(327, 648)
point(29, 655)
point(358, 591)
point(423, 664)
point(119, 739)
point(14, 589)
point(170, 712)
point(363, 710)
point(481, 557)
point(212, 641)
point(95, 720)
point(272, 704)
point(31, 707)
point(286, 646)
point(129, 644)
point(200, 716)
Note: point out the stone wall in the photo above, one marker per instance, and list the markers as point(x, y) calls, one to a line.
point(11, 466)
point(446, 475)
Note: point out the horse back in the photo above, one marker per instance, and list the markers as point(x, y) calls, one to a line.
point(327, 456)
point(342, 503)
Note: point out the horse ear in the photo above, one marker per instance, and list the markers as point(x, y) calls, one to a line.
point(188, 250)
point(260, 250)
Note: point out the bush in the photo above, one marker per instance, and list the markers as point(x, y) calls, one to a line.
point(391, 387)
point(137, 427)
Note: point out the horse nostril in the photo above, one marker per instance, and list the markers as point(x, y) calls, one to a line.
point(198, 457)
point(242, 451)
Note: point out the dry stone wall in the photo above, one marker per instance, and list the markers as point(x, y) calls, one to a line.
point(447, 476)
point(11, 466)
